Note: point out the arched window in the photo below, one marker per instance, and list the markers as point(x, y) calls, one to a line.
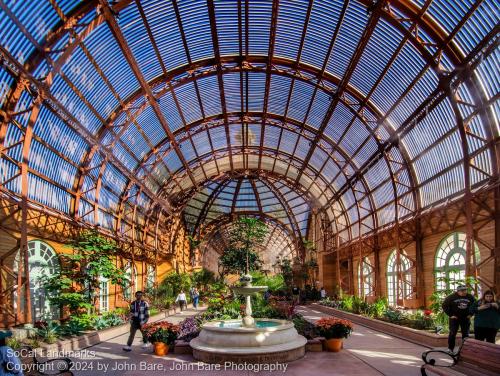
point(42, 263)
point(127, 291)
point(150, 277)
point(398, 287)
point(103, 294)
point(365, 278)
point(451, 260)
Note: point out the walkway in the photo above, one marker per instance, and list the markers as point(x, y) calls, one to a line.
point(366, 353)
point(384, 354)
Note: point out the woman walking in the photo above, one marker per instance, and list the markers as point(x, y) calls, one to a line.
point(181, 298)
point(487, 317)
point(196, 298)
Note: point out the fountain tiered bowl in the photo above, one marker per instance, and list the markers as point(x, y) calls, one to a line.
point(248, 340)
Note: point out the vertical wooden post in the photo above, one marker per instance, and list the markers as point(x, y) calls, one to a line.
point(351, 272)
point(23, 259)
point(337, 258)
point(420, 263)
point(360, 276)
point(378, 279)
point(399, 276)
point(496, 277)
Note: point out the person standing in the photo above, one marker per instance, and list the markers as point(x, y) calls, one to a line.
point(267, 295)
point(191, 292)
point(181, 298)
point(295, 293)
point(196, 298)
point(486, 317)
point(457, 306)
point(10, 364)
point(322, 293)
point(139, 315)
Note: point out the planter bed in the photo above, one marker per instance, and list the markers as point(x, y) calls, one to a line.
point(419, 337)
point(94, 337)
point(315, 344)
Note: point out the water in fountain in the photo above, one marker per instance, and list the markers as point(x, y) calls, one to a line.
point(248, 340)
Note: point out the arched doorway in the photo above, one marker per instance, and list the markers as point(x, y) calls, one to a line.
point(43, 263)
point(399, 287)
point(366, 285)
point(451, 260)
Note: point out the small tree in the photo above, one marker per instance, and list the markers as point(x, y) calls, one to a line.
point(285, 269)
point(234, 261)
point(202, 278)
point(76, 285)
point(245, 236)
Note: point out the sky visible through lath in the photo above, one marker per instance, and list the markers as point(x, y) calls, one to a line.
point(342, 99)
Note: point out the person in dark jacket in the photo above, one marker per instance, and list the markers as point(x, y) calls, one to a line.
point(486, 317)
point(457, 306)
point(139, 316)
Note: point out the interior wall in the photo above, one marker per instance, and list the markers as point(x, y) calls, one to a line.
point(430, 246)
point(179, 261)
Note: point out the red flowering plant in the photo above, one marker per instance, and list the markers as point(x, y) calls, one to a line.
point(161, 331)
point(427, 312)
point(330, 327)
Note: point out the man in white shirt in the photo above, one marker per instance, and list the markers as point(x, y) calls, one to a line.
point(181, 298)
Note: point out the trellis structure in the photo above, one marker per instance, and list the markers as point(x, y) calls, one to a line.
point(381, 115)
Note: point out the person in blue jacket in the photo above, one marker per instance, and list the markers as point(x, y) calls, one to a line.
point(486, 317)
point(10, 364)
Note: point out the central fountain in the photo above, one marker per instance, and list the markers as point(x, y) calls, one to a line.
point(248, 340)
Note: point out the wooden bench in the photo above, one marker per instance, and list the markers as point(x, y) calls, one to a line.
point(33, 366)
point(474, 358)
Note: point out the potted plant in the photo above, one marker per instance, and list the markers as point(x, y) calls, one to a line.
point(334, 330)
point(161, 334)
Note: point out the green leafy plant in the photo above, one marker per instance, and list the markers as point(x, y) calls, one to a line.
point(420, 320)
point(14, 343)
point(241, 257)
point(73, 327)
point(109, 319)
point(304, 327)
point(49, 332)
point(377, 308)
point(203, 278)
point(163, 295)
point(77, 283)
point(274, 283)
point(359, 306)
point(233, 260)
point(347, 303)
point(154, 311)
point(84, 320)
point(33, 342)
point(285, 268)
point(394, 316)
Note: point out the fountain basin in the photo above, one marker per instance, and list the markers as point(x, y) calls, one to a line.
point(248, 290)
point(269, 341)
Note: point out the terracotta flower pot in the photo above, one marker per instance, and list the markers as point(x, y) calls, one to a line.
point(333, 344)
point(161, 349)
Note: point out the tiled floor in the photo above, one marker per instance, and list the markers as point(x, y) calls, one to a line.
point(365, 353)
